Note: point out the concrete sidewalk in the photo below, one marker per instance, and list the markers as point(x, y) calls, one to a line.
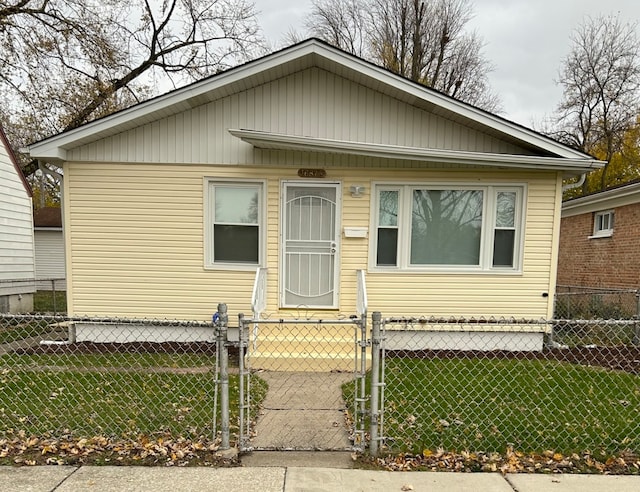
point(288, 479)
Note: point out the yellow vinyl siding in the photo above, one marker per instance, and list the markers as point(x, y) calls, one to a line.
point(135, 239)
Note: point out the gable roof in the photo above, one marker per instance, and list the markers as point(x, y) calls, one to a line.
point(316, 53)
point(12, 157)
point(617, 196)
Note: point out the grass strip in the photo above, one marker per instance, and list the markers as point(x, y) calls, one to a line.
point(491, 405)
point(127, 403)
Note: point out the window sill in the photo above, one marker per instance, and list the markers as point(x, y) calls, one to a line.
point(444, 271)
point(240, 267)
point(601, 235)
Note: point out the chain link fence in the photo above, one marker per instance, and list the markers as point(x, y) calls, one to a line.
point(489, 385)
point(457, 384)
point(117, 378)
point(573, 302)
point(35, 295)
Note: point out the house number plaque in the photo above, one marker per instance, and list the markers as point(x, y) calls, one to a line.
point(312, 173)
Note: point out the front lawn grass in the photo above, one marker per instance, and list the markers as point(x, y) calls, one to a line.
point(117, 360)
point(115, 395)
point(490, 405)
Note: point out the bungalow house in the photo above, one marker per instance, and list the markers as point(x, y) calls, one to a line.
point(600, 239)
point(17, 267)
point(313, 164)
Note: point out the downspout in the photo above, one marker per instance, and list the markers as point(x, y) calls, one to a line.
point(573, 186)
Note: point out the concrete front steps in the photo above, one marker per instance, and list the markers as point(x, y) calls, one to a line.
point(303, 348)
point(300, 362)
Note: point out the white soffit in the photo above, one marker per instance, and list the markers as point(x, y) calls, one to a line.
point(278, 141)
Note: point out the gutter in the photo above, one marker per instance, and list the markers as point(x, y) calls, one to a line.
point(279, 141)
point(577, 184)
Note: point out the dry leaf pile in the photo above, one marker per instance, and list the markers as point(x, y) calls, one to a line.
point(510, 462)
point(21, 449)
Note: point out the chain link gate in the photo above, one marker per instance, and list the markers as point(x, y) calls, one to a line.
point(309, 377)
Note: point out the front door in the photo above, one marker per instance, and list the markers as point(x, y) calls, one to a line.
point(310, 233)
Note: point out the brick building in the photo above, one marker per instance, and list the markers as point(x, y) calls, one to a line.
point(600, 239)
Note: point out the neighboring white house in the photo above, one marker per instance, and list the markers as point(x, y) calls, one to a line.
point(49, 243)
point(17, 259)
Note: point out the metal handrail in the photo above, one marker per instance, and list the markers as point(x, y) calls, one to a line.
point(361, 297)
point(259, 295)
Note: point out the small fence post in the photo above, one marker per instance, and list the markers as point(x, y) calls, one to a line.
point(636, 325)
point(376, 319)
point(223, 354)
point(241, 387)
point(53, 288)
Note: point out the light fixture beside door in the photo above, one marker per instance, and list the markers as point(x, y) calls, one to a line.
point(356, 190)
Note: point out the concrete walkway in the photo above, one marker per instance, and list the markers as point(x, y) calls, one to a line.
point(289, 479)
point(302, 411)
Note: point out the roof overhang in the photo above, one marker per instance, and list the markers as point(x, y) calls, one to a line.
point(616, 197)
point(277, 141)
point(309, 53)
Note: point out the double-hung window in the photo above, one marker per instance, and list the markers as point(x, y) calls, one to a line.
point(387, 237)
point(234, 224)
point(603, 224)
point(434, 227)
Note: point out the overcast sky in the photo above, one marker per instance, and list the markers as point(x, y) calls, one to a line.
point(526, 41)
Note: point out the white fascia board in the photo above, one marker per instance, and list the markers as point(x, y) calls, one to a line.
point(268, 140)
point(54, 147)
point(49, 152)
point(142, 111)
point(610, 199)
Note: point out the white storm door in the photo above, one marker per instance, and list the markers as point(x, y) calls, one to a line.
point(310, 232)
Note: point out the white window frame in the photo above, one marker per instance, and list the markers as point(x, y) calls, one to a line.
point(490, 193)
point(598, 219)
point(209, 192)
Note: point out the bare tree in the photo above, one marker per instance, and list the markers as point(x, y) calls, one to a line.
point(423, 40)
point(342, 23)
point(66, 62)
point(601, 82)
